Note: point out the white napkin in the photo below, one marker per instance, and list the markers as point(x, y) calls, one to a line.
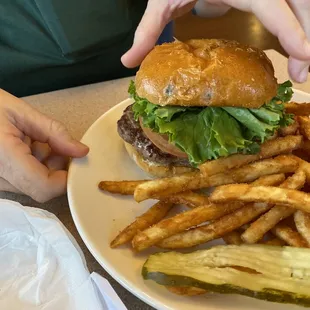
point(42, 266)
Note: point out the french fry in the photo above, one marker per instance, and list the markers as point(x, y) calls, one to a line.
point(120, 187)
point(304, 152)
point(302, 109)
point(267, 221)
point(190, 199)
point(186, 290)
point(233, 237)
point(269, 180)
point(269, 194)
point(182, 221)
point(306, 146)
point(305, 166)
point(304, 126)
point(289, 235)
point(215, 166)
point(195, 180)
point(302, 222)
point(281, 145)
point(275, 242)
point(289, 130)
point(150, 217)
point(216, 229)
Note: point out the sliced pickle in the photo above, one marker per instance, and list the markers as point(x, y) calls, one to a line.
point(273, 273)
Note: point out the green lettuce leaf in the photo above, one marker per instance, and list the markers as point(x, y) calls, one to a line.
point(285, 92)
point(213, 132)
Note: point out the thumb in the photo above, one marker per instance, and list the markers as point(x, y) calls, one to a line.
point(299, 67)
point(151, 26)
point(58, 138)
point(41, 128)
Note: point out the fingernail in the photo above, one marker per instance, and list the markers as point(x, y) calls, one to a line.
point(303, 75)
point(79, 144)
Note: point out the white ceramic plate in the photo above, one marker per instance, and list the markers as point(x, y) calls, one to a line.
point(99, 216)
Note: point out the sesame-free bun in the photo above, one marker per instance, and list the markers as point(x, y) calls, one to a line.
point(153, 169)
point(206, 73)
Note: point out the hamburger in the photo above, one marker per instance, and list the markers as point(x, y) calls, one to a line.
point(200, 100)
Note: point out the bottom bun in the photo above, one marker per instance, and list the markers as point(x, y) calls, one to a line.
point(152, 168)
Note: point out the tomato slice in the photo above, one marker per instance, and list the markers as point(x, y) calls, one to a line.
point(162, 142)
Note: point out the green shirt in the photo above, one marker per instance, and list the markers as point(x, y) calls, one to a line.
point(53, 44)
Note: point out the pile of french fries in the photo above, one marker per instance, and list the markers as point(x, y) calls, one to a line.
point(261, 198)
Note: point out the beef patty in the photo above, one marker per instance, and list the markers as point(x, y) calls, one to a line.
point(131, 132)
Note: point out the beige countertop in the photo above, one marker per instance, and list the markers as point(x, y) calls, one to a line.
point(78, 108)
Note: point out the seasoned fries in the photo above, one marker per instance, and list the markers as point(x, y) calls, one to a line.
point(150, 217)
point(216, 229)
point(220, 227)
point(306, 146)
point(164, 187)
point(266, 222)
point(191, 199)
point(269, 194)
point(188, 219)
point(289, 235)
point(304, 126)
point(233, 237)
point(305, 166)
point(289, 130)
point(269, 180)
point(180, 222)
point(269, 149)
point(120, 187)
point(302, 222)
point(275, 241)
point(302, 109)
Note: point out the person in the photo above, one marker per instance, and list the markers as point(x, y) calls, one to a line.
point(55, 44)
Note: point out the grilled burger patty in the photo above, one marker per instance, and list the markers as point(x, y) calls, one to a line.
point(131, 132)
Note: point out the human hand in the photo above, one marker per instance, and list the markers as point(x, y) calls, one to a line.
point(34, 151)
point(288, 20)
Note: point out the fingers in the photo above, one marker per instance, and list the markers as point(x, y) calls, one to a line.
point(277, 16)
point(281, 21)
point(40, 127)
point(28, 175)
point(35, 180)
point(301, 8)
point(45, 130)
point(40, 150)
point(157, 15)
point(5, 186)
point(27, 141)
point(39, 174)
point(299, 69)
point(54, 163)
point(152, 24)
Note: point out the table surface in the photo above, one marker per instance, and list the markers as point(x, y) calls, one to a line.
point(78, 108)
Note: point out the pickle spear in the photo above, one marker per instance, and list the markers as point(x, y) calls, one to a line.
point(273, 273)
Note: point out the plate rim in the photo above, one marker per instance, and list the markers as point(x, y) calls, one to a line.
point(84, 235)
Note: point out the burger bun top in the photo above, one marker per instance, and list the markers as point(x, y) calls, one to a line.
point(208, 72)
